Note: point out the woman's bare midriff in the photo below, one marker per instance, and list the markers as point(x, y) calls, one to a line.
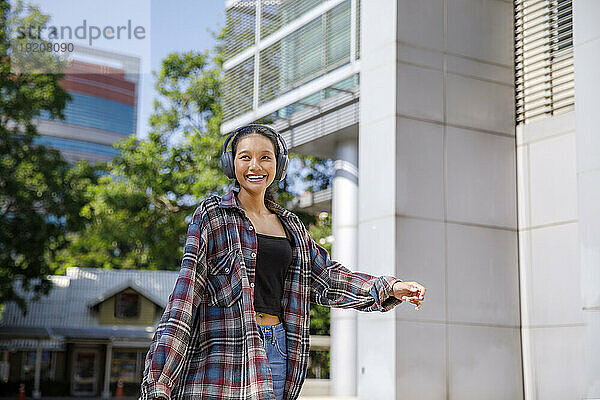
point(266, 319)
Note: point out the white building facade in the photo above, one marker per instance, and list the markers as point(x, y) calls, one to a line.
point(465, 158)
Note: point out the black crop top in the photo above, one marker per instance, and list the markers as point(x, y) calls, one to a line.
point(272, 261)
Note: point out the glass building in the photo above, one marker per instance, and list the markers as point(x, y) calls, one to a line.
point(465, 145)
point(103, 109)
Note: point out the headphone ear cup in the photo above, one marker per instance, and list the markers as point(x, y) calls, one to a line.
point(285, 167)
point(226, 164)
point(282, 162)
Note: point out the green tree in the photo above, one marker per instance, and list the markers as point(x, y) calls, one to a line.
point(38, 199)
point(320, 231)
point(137, 212)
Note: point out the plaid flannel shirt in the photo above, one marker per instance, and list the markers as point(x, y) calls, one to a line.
point(207, 345)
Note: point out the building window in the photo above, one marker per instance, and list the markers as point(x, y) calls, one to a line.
point(96, 112)
point(317, 47)
point(127, 365)
point(240, 25)
point(127, 305)
point(238, 87)
point(544, 73)
point(28, 366)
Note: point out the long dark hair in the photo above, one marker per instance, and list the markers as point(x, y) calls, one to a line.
point(270, 192)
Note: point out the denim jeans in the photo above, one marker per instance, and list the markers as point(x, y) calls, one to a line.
point(274, 342)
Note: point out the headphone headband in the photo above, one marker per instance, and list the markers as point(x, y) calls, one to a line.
point(255, 127)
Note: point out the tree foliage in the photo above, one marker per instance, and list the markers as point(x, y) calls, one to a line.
point(39, 198)
point(137, 212)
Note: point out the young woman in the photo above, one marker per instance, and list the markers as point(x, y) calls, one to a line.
point(237, 322)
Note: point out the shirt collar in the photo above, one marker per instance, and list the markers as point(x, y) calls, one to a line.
point(229, 200)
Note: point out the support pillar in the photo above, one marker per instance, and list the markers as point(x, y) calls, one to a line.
point(437, 199)
point(344, 249)
point(106, 392)
point(5, 365)
point(38, 368)
point(376, 335)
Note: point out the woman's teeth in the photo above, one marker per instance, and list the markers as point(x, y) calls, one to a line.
point(254, 178)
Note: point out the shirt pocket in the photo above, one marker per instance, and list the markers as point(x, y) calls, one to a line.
point(224, 280)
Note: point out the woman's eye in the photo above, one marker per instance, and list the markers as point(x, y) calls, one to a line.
point(267, 157)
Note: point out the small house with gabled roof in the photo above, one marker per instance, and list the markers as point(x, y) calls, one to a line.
point(92, 330)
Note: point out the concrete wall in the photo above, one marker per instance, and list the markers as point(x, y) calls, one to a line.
point(551, 316)
point(587, 120)
point(437, 199)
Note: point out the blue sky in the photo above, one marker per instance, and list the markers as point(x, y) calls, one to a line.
point(176, 25)
point(182, 25)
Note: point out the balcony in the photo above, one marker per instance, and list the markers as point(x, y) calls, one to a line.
point(312, 202)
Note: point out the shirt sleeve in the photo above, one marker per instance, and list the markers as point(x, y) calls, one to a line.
point(334, 285)
point(169, 344)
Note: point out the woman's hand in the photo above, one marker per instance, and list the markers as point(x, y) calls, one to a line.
point(409, 291)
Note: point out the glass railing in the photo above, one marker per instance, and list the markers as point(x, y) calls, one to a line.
point(290, 59)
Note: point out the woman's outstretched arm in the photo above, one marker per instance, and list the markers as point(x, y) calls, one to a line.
point(334, 285)
point(169, 345)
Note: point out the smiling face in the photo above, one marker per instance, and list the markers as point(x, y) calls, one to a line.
point(255, 163)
